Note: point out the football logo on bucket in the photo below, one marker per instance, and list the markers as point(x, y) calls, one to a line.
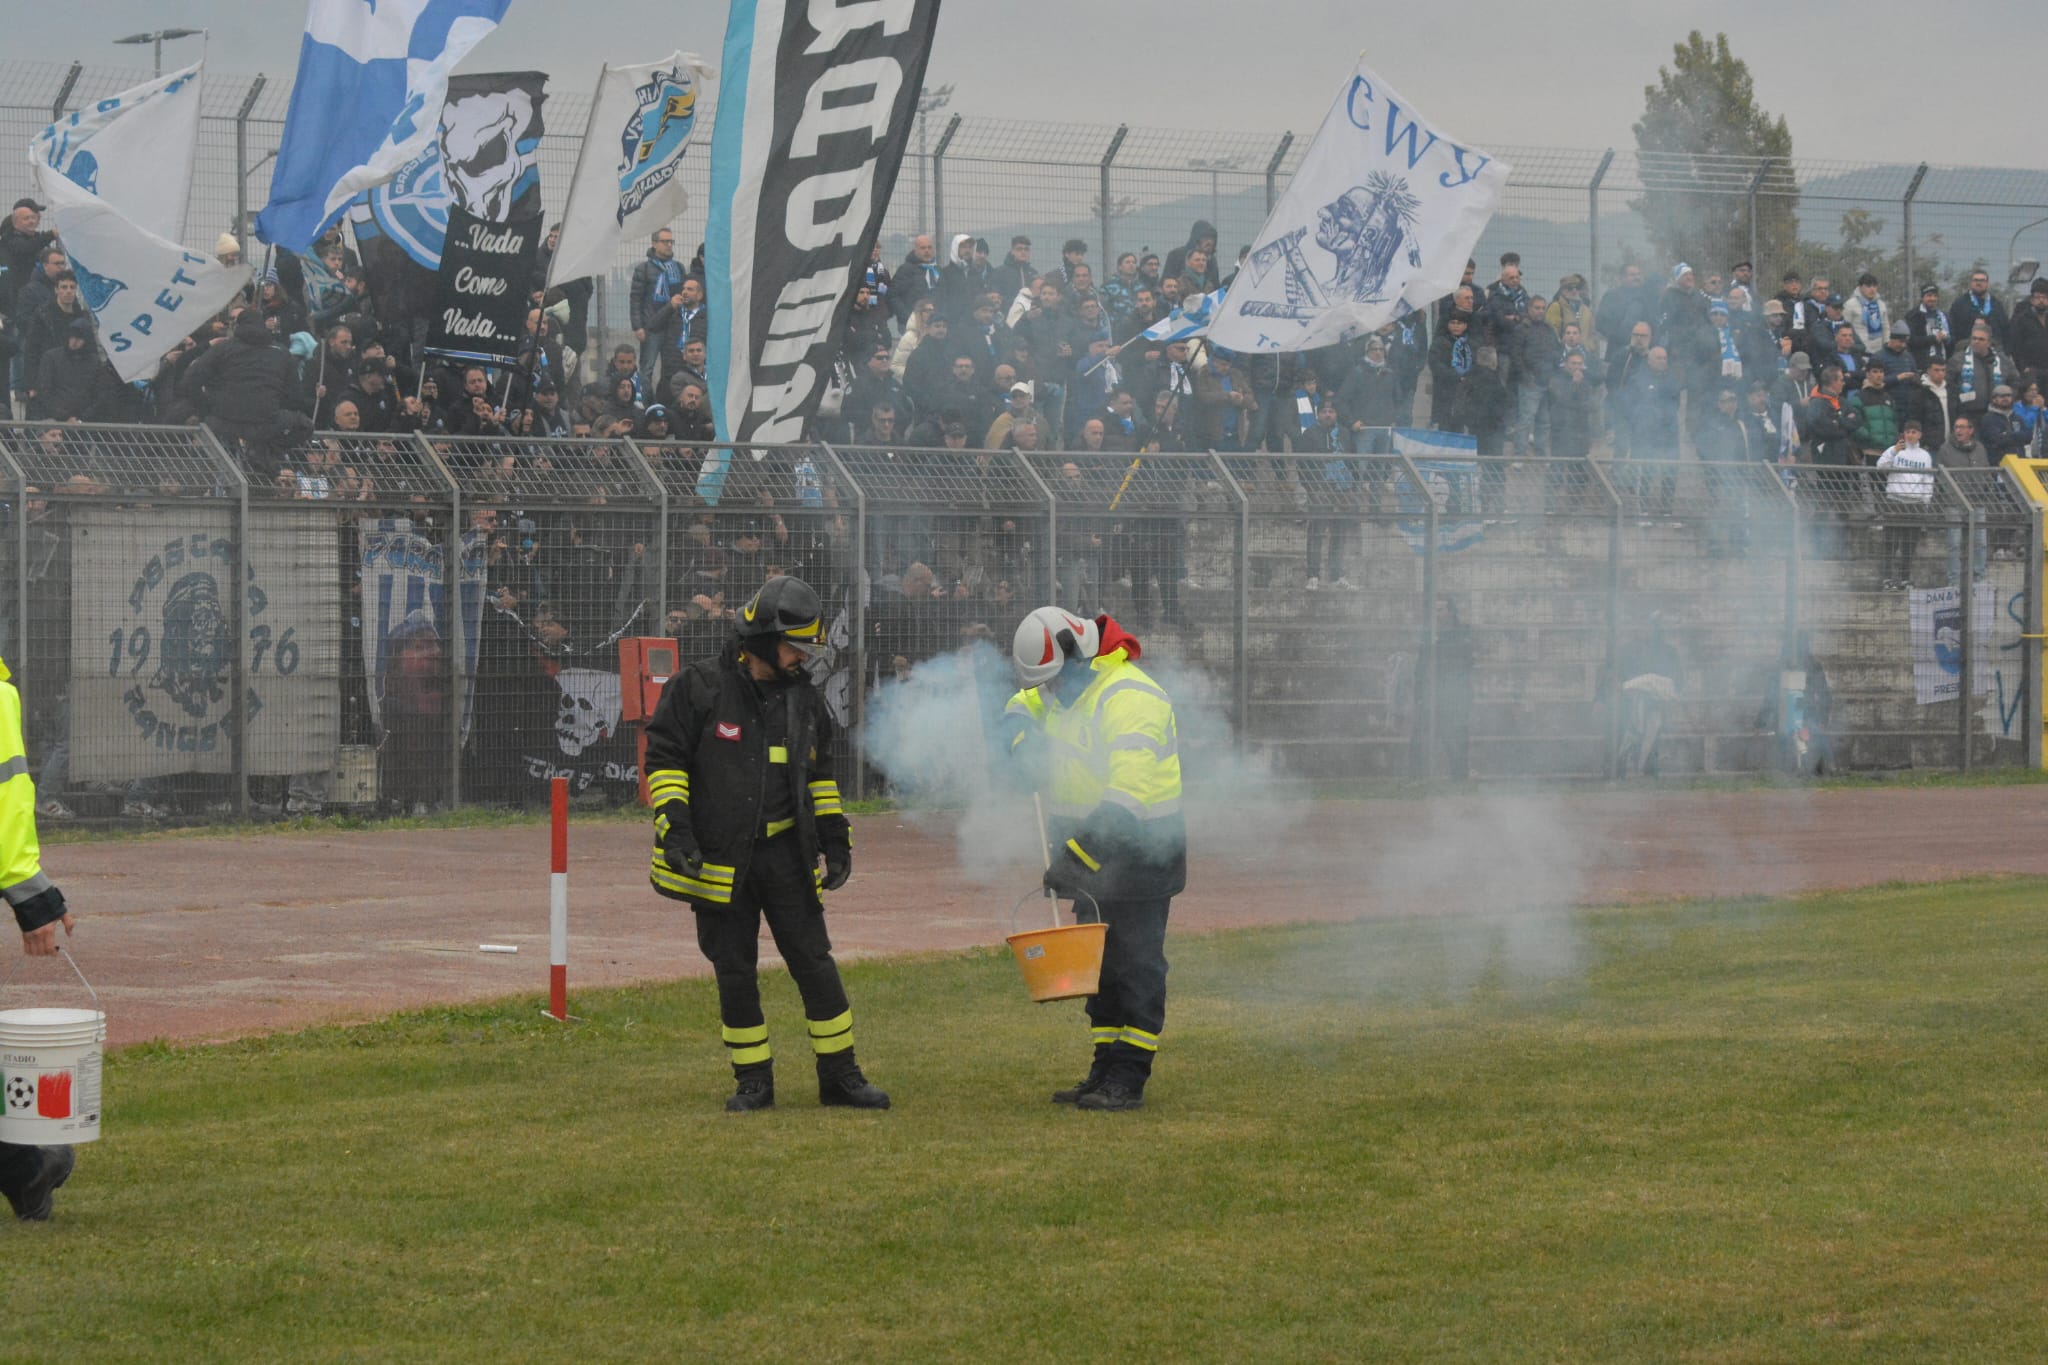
point(48, 1093)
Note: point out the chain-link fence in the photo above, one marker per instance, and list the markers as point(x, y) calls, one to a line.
point(396, 623)
point(1120, 188)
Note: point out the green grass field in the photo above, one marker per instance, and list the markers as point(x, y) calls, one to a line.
point(1779, 1131)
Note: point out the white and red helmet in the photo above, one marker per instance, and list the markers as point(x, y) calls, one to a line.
point(1046, 639)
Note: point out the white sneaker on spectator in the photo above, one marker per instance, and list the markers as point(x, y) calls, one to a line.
point(302, 805)
point(1191, 585)
point(419, 808)
point(1124, 582)
point(1347, 585)
point(1315, 584)
point(54, 810)
point(142, 810)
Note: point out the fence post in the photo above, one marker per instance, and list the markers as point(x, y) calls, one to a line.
point(242, 159)
point(1969, 593)
point(1102, 195)
point(1273, 168)
point(857, 617)
point(1052, 527)
point(2031, 656)
point(451, 597)
point(939, 181)
point(64, 91)
point(1763, 168)
point(237, 485)
point(1612, 721)
point(1241, 607)
point(1423, 764)
point(1908, 289)
point(1593, 228)
point(660, 554)
point(20, 569)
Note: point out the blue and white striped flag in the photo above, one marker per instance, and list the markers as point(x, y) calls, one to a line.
point(371, 82)
point(1189, 318)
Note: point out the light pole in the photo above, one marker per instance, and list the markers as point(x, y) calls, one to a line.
point(1213, 165)
point(2014, 264)
point(930, 100)
point(157, 41)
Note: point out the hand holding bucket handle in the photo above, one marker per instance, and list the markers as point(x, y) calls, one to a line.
point(47, 910)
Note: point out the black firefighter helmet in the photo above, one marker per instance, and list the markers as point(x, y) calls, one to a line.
point(786, 609)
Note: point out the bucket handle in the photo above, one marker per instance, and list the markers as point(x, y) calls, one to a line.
point(1040, 891)
point(64, 953)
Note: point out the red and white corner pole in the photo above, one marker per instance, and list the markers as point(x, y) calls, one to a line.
point(558, 903)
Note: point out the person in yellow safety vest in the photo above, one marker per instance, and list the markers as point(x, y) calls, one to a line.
point(1112, 756)
point(29, 1175)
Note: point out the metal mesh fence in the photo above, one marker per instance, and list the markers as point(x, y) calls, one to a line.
point(420, 623)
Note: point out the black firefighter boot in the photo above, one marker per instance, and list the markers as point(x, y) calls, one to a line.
point(755, 1089)
point(1123, 1087)
point(1098, 1071)
point(840, 1083)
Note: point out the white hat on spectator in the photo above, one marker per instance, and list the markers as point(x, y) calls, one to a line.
point(1021, 386)
point(226, 245)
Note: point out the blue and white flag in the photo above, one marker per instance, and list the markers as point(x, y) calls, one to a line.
point(629, 175)
point(372, 78)
point(1189, 318)
point(142, 167)
point(1379, 221)
point(145, 291)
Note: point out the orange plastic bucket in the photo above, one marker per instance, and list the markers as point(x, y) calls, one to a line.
point(1060, 963)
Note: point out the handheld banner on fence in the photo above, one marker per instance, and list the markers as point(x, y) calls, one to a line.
point(371, 79)
point(1379, 221)
point(812, 122)
point(481, 297)
point(152, 655)
point(629, 173)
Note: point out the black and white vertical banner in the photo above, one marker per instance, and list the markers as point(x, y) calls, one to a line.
point(816, 110)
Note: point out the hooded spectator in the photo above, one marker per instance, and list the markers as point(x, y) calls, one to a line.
point(243, 384)
point(67, 387)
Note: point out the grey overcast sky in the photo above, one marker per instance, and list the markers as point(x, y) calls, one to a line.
point(1502, 72)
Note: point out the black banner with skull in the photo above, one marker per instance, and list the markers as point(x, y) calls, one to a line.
point(485, 164)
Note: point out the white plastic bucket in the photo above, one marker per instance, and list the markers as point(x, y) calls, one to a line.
point(50, 1075)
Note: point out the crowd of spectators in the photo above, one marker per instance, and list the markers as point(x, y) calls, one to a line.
point(948, 355)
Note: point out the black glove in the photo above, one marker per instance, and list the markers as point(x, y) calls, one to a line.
point(679, 841)
point(838, 867)
point(1063, 878)
point(45, 907)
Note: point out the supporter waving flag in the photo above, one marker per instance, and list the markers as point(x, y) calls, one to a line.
point(372, 79)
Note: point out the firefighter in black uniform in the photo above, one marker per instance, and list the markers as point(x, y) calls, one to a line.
point(743, 812)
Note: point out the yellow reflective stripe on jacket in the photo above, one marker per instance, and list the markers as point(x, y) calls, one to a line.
point(713, 884)
point(778, 754)
point(825, 797)
point(776, 827)
point(21, 867)
point(668, 784)
point(1082, 853)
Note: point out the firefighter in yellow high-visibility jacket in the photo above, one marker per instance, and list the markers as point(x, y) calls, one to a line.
point(29, 1176)
point(1112, 782)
